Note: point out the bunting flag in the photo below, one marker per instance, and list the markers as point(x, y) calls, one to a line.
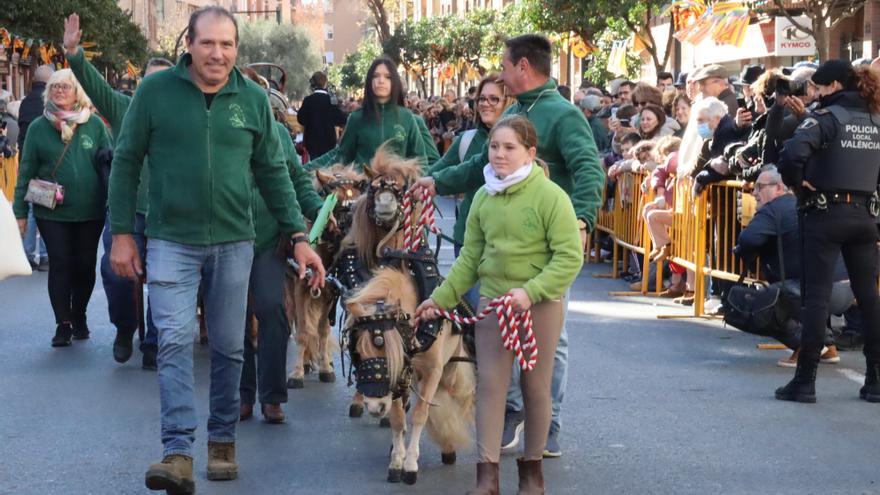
point(580, 48)
point(617, 58)
point(131, 69)
point(724, 22)
point(41, 51)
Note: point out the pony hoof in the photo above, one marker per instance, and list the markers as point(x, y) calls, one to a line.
point(385, 423)
point(295, 383)
point(394, 475)
point(307, 368)
point(327, 376)
point(448, 458)
point(409, 477)
point(355, 411)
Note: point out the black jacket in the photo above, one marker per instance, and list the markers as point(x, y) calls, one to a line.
point(320, 118)
point(31, 108)
point(759, 239)
point(813, 134)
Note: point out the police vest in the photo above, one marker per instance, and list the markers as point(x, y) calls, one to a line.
point(851, 161)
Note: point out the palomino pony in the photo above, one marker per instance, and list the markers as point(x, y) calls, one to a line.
point(377, 224)
point(310, 312)
point(382, 343)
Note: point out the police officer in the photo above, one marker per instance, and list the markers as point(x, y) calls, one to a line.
point(833, 160)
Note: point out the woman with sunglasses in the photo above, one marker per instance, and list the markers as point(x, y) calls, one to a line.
point(382, 119)
point(61, 147)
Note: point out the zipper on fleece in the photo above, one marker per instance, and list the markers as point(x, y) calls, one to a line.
point(210, 178)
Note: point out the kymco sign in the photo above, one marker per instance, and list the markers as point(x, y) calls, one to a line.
point(791, 41)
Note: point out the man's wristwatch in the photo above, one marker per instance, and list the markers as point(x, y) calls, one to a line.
point(299, 238)
point(582, 225)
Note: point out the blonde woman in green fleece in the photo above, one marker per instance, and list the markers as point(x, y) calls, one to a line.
point(522, 238)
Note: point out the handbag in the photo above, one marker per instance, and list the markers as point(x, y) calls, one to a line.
point(47, 193)
point(760, 310)
point(14, 261)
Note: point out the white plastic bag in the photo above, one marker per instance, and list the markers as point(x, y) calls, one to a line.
point(12, 258)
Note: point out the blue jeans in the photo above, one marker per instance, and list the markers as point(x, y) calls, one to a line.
point(558, 383)
point(30, 238)
point(120, 291)
point(175, 274)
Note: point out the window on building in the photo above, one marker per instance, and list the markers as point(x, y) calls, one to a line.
point(328, 32)
point(328, 6)
point(328, 58)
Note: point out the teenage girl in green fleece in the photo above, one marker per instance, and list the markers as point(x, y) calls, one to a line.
point(382, 118)
point(521, 237)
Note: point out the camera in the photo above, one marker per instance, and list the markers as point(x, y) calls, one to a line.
point(787, 87)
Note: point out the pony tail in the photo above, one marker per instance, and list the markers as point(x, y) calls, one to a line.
point(543, 165)
point(868, 83)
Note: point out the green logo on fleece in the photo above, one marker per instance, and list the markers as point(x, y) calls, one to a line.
point(87, 142)
point(237, 118)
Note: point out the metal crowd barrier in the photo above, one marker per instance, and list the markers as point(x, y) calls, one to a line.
point(703, 233)
point(8, 175)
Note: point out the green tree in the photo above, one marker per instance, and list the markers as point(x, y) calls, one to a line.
point(349, 76)
point(596, 62)
point(286, 45)
point(118, 38)
point(589, 19)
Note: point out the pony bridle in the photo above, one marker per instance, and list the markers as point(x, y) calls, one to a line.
point(372, 377)
point(347, 191)
point(377, 187)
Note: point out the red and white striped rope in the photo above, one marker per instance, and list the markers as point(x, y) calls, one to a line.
point(510, 324)
point(412, 229)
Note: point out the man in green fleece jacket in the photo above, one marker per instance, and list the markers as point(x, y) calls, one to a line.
point(565, 143)
point(209, 133)
point(112, 105)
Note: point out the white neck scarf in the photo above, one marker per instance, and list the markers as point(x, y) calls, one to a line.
point(495, 185)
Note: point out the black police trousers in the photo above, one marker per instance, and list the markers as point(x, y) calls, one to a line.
point(850, 230)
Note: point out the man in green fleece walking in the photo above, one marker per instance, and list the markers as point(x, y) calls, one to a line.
point(208, 132)
point(565, 143)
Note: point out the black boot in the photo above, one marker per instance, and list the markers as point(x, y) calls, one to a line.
point(122, 346)
point(871, 390)
point(63, 333)
point(149, 359)
point(80, 329)
point(802, 388)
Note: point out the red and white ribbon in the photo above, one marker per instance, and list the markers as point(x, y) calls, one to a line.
point(412, 229)
point(510, 324)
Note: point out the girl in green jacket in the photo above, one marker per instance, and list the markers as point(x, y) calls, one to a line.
point(521, 238)
point(61, 146)
point(383, 117)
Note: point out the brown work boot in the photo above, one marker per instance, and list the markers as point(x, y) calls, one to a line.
point(531, 477)
point(221, 461)
point(174, 475)
point(245, 412)
point(272, 413)
point(673, 291)
point(487, 479)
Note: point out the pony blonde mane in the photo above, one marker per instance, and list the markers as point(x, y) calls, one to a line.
point(398, 291)
point(386, 162)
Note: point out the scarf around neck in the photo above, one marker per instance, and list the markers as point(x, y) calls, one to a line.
point(65, 121)
point(496, 185)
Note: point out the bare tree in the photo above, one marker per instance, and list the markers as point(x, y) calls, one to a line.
point(824, 14)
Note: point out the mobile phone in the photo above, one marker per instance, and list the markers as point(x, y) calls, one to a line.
point(741, 102)
point(614, 112)
point(783, 88)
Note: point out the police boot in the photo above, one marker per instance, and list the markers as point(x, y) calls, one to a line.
point(487, 479)
point(174, 475)
point(871, 390)
point(802, 388)
point(221, 461)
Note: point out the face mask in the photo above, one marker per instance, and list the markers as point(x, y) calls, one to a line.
point(705, 131)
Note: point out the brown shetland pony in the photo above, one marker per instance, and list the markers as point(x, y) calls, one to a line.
point(377, 218)
point(309, 315)
point(447, 386)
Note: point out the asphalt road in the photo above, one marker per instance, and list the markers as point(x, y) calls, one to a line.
point(653, 406)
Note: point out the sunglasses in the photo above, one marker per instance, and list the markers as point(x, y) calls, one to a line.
point(639, 103)
point(492, 100)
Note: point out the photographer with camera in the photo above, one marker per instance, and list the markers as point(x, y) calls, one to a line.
point(833, 161)
point(320, 117)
